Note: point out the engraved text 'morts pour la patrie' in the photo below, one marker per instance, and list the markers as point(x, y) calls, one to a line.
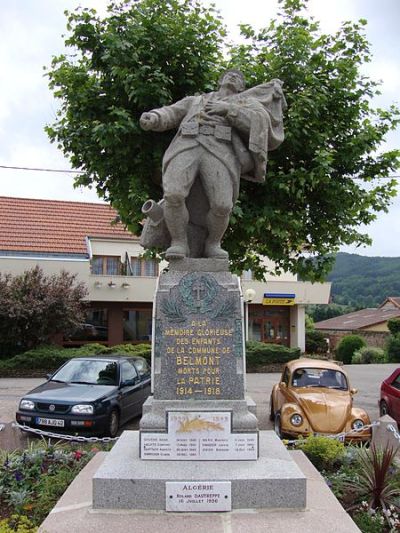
point(201, 346)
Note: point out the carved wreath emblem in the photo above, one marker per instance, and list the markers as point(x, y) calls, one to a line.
point(197, 294)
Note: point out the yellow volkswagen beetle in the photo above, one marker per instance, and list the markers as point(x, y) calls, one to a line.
point(314, 398)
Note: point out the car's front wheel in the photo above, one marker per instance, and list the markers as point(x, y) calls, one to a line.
point(383, 408)
point(113, 423)
point(271, 412)
point(278, 425)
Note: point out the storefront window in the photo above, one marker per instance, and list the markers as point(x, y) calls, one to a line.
point(269, 324)
point(95, 328)
point(137, 325)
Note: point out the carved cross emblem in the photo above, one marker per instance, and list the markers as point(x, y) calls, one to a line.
point(199, 291)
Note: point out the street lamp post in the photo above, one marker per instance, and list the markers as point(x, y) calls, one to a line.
point(248, 297)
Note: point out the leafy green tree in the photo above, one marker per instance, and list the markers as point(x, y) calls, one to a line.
point(392, 349)
point(34, 308)
point(322, 183)
point(394, 326)
point(316, 342)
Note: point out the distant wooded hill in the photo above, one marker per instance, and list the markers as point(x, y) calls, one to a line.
point(360, 281)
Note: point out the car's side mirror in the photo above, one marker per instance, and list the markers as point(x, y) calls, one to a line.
point(353, 391)
point(49, 376)
point(130, 382)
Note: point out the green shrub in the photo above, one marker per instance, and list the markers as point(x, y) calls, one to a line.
point(323, 452)
point(316, 342)
point(356, 359)
point(140, 350)
point(369, 523)
point(260, 353)
point(17, 524)
point(52, 357)
point(394, 326)
point(393, 349)
point(367, 355)
point(347, 346)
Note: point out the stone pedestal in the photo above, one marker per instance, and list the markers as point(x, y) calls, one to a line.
point(199, 448)
point(198, 348)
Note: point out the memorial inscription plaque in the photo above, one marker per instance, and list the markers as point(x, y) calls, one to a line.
point(199, 436)
point(186, 496)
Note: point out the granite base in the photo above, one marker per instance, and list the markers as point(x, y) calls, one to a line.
point(124, 481)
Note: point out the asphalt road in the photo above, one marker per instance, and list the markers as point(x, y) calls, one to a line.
point(365, 378)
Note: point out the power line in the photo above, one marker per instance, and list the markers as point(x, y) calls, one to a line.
point(43, 169)
point(82, 171)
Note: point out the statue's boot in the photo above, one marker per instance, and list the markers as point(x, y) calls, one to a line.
point(177, 250)
point(176, 218)
point(216, 224)
point(214, 250)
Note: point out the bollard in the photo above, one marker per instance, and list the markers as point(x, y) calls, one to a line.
point(381, 436)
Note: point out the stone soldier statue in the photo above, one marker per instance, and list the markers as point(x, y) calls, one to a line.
point(221, 137)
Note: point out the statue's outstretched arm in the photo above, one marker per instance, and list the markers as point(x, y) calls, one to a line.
point(167, 117)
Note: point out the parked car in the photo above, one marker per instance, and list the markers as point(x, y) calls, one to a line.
point(91, 395)
point(389, 404)
point(314, 397)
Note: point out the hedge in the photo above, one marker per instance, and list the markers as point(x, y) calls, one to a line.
point(49, 358)
point(52, 357)
point(259, 354)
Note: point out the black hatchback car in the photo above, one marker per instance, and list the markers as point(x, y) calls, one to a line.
point(90, 395)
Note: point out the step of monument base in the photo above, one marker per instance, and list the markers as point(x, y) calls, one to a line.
point(124, 481)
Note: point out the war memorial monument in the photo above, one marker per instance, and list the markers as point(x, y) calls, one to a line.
point(199, 447)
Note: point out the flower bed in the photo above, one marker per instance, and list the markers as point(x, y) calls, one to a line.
point(365, 480)
point(32, 481)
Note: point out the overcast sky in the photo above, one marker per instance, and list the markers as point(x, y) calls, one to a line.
point(31, 32)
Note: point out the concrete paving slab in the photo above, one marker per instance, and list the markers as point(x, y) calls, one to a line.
point(74, 512)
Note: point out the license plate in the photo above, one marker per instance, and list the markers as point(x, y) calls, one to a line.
point(340, 436)
point(50, 422)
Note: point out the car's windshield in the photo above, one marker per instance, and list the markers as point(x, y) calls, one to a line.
point(319, 377)
point(91, 372)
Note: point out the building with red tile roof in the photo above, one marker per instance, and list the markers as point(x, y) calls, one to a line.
point(50, 226)
point(370, 323)
point(86, 239)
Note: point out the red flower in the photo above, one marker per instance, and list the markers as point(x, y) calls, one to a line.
point(78, 454)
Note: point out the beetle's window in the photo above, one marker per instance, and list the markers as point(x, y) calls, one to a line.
point(319, 377)
point(285, 376)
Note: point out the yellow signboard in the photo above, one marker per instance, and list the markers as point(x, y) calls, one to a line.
point(278, 301)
